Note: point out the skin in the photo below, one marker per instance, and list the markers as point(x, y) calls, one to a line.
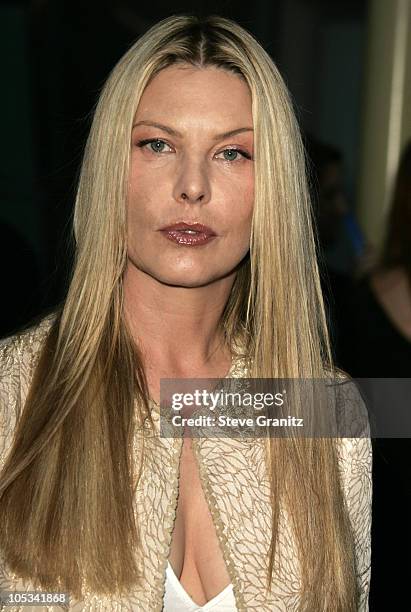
point(392, 290)
point(175, 294)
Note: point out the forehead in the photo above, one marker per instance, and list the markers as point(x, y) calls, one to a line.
point(186, 93)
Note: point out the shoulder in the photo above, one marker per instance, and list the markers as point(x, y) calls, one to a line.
point(353, 444)
point(384, 280)
point(346, 398)
point(18, 356)
point(354, 450)
point(19, 350)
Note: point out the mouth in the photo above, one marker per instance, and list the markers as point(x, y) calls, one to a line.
point(188, 234)
point(189, 228)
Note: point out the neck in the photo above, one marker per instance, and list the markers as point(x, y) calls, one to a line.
point(176, 328)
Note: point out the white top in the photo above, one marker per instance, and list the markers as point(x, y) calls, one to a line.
point(176, 599)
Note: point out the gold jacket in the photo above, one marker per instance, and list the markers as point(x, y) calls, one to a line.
point(236, 488)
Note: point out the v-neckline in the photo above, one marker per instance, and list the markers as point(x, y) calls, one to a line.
point(237, 368)
point(184, 593)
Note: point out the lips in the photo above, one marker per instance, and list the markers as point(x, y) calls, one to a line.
point(199, 228)
point(189, 234)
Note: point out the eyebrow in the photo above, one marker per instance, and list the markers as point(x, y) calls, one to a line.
point(172, 132)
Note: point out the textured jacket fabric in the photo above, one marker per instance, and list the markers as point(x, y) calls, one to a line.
point(236, 488)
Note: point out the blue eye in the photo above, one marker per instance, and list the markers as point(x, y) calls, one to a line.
point(156, 145)
point(232, 154)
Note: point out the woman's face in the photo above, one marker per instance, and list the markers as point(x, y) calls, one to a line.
point(192, 162)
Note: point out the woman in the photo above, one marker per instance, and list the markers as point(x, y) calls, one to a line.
point(194, 125)
point(378, 345)
point(380, 309)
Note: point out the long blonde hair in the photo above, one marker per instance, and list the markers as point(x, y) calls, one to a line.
point(79, 419)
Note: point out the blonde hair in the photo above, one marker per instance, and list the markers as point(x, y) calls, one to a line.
point(68, 434)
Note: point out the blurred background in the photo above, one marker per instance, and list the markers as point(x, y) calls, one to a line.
point(347, 64)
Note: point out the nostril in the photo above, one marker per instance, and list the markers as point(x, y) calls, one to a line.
point(194, 198)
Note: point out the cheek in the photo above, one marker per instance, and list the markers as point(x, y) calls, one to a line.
point(247, 214)
point(245, 202)
point(140, 198)
point(137, 183)
point(236, 212)
point(249, 196)
point(238, 190)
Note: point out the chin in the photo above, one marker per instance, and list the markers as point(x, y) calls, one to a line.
point(177, 280)
point(191, 278)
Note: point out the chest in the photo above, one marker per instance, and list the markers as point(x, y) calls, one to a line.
point(195, 553)
point(207, 511)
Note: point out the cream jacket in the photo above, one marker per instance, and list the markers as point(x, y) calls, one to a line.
point(236, 488)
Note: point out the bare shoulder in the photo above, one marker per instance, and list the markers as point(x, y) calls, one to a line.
point(386, 280)
point(392, 290)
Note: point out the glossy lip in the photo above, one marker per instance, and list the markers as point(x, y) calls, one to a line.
point(197, 227)
point(177, 233)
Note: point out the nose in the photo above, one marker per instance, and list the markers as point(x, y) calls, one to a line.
point(192, 183)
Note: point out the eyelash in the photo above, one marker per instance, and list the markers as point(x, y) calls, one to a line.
point(143, 143)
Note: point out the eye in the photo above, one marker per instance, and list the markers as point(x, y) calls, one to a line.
point(156, 145)
point(233, 154)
